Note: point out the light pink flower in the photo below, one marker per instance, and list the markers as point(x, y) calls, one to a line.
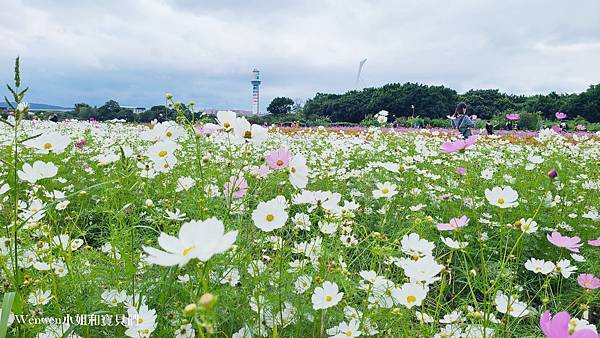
point(453, 224)
point(262, 171)
point(236, 187)
point(558, 327)
point(580, 127)
point(203, 130)
point(461, 171)
point(450, 147)
point(513, 116)
point(560, 115)
point(594, 242)
point(570, 243)
point(588, 281)
point(279, 159)
point(556, 128)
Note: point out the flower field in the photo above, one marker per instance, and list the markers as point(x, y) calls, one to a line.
point(227, 229)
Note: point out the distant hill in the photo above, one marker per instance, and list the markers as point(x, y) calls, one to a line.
point(39, 106)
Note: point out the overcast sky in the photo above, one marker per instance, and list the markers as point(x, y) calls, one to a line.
point(136, 50)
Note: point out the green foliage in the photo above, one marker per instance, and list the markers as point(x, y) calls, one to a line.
point(439, 101)
point(280, 106)
point(530, 121)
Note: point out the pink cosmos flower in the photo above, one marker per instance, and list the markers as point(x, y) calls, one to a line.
point(262, 171)
point(453, 224)
point(580, 127)
point(513, 116)
point(203, 130)
point(80, 144)
point(239, 185)
point(451, 147)
point(588, 281)
point(279, 159)
point(445, 196)
point(558, 327)
point(570, 243)
point(556, 128)
point(560, 115)
point(461, 171)
point(594, 242)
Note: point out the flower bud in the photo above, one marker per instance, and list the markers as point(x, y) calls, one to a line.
point(207, 300)
point(189, 310)
point(552, 173)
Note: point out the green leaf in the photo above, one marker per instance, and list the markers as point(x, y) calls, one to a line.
point(68, 332)
point(7, 304)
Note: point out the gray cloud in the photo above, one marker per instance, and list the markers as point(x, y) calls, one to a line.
point(136, 50)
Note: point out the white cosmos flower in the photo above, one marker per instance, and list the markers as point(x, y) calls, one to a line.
point(346, 329)
point(298, 171)
point(38, 171)
point(243, 131)
point(386, 190)
point(539, 266)
point(301, 221)
point(60, 268)
point(565, 268)
point(326, 296)
point(49, 142)
point(416, 247)
point(503, 197)
point(454, 244)
point(163, 154)
point(528, 226)
point(410, 294)
point(39, 297)
point(185, 184)
point(197, 239)
point(424, 270)
point(113, 297)
point(270, 215)
point(509, 305)
point(140, 323)
point(226, 119)
point(302, 284)
point(165, 131)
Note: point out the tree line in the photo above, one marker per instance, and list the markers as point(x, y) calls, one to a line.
point(413, 99)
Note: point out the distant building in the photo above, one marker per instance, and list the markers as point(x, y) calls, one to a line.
point(135, 110)
point(255, 91)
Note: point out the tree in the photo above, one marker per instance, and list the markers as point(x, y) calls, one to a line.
point(110, 110)
point(280, 106)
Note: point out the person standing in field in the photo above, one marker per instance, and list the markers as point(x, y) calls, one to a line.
point(461, 121)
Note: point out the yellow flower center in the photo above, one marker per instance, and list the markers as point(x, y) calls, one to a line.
point(41, 299)
point(187, 250)
point(328, 298)
point(248, 134)
point(48, 146)
point(349, 333)
point(270, 218)
point(385, 190)
point(279, 162)
point(293, 170)
point(162, 153)
point(140, 321)
point(500, 200)
point(169, 134)
point(411, 299)
point(226, 124)
point(114, 300)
